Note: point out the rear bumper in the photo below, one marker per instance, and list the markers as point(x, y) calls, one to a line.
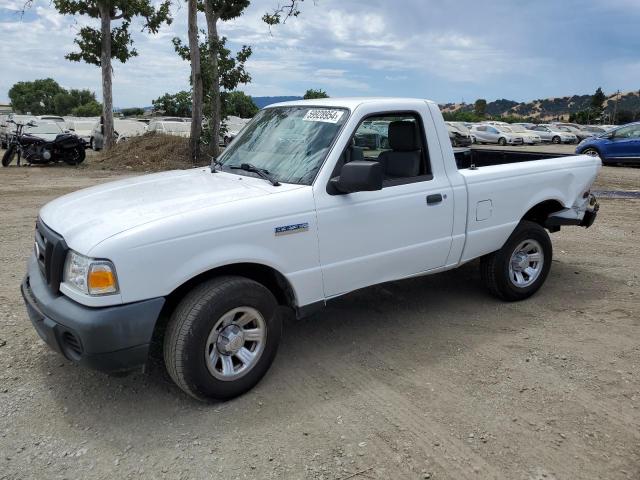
point(572, 217)
point(108, 339)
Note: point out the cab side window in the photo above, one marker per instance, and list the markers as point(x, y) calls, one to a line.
point(395, 140)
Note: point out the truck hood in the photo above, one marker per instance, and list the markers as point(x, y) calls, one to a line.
point(87, 217)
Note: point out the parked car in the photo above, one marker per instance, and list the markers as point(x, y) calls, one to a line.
point(494, 134)
point(527, 125)
point(620, 145)
point(549, 133)
point(51, 118)
point(459, 136)
point(234, 126)
point(8, 129)
point(528, 137)
point(206, 264)
point(593, 129)
point(123, 130)
point(580, 134)
point(178, 129)
point(370, 138)
point(82, 128)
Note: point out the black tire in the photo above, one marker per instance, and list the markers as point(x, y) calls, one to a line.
point(556, 140)
point(191, 323)
point(502, 141)
point(7, 158)
point(495, 270)
point(75, 157)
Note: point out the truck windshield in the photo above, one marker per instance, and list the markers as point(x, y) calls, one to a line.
point(289, 142)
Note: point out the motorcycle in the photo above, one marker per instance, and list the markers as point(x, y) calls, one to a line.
point(65, 147)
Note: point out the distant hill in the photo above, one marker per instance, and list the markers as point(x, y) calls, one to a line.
point(264, 101)
point(550, 108)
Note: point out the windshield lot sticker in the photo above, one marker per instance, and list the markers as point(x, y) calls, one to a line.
point(287, 229)
point(323, 115)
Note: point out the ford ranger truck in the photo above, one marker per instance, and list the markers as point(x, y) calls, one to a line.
point(293, 214)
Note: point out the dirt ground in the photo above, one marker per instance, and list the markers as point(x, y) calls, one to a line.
point(424, 378)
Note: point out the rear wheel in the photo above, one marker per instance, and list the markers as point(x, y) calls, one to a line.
point(7, 158)
point(502, 141)
point(556, 140)
point(521, 266)
point(222, 338)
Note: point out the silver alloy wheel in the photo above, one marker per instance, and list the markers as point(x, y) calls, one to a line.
point(235, 343)
point(592, 152)
point(526, 263)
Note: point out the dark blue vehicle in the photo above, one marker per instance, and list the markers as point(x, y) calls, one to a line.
point(620, 145)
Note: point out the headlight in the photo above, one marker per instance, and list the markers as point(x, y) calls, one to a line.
point(90, 276)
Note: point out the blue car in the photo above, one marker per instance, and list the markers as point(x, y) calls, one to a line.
point(620, 145)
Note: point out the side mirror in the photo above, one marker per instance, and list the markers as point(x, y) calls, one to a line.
point(71, 130)
point(359, 176)
point(31, 124)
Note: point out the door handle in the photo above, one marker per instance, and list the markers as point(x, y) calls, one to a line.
point(433, 199)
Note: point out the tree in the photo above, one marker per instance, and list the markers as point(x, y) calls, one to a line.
point(37, 97)
point(132, 112)
point(176, 105)
point(239, 104)
point(98, 47)
point(311, 93)
point(598, 99)
point(91, 109)
point(196, 81)
point(480, 107)
point(66, 101)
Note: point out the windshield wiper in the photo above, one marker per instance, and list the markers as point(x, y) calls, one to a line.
point(261, 172)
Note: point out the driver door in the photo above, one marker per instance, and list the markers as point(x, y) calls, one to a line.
point(370, 237)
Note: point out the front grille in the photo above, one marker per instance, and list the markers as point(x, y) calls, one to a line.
point(71, 343)
point(50, 251)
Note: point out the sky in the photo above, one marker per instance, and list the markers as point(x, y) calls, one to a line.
point(444, 50)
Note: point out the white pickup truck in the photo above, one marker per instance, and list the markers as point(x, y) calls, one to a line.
point(292, 214)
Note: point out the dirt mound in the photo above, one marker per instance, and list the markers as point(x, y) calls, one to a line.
point(148, 153)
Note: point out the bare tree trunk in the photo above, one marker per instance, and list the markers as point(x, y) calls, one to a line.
point(196, 80)
point(212, 32)
point(105, 63)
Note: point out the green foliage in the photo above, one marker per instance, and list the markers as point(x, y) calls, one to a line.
point(480, 107)
point(598, 99)
point(312, 93)
point(90, 109)
point(132, 112)
point(37, 97)
point(176, 105)
point(282, 13)
point(461, 116)
point(228, 9)
point(231, 70)
point(47, 96)
point(89, 40)
point(239, 104)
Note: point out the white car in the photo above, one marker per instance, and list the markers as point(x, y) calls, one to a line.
point(550, 133)
point(8, 129)
point(82, 128)
point(485, 133)
point(528, 137)
point(290, 216)
point(47, 130)
point(123, 130)
point(178, 129)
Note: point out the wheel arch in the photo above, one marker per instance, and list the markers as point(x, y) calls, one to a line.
point(541, 210)
point(265, 275)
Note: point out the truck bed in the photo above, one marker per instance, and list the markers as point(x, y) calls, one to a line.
point(466, 157)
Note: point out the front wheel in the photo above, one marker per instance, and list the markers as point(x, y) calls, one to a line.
point(7, 158)
point(521, 266)
point(592, 152)
point(502, 141)
point(556, 140)
point(75, 157)
point(222, 338)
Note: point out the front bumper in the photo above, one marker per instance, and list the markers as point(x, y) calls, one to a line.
point(108, 339)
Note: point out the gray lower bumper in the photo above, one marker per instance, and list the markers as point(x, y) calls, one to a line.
point(108, 338)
